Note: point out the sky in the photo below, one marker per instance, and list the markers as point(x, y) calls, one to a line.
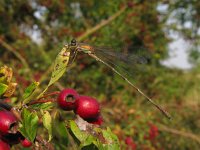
point(178, 56)
point(177, 49)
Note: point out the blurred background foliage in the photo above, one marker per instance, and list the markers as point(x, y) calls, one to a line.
point(33, 32)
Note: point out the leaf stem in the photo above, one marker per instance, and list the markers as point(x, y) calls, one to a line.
point(180, 133)
point(49, 94)
point(41, 101)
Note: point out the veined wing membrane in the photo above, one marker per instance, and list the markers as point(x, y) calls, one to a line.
point(129, 65)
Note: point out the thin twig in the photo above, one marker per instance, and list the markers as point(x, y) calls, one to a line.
point(49, 94)
point(41, 101)
point(101, 24)
point(17, 113)
point(181, 133)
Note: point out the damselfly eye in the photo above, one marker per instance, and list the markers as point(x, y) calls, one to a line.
point(73, 42)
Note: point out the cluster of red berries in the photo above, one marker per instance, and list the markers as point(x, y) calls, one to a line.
point(86, 107)
point(8, 135)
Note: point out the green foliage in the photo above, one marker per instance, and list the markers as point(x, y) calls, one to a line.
point(3, 88)
point(33, 32)
point(60, 66)
point(28, 91)
point(60, 132)
point(43, 106)
point(47, 122)
point(103, 139)
point(29, 124)
point(112, 140)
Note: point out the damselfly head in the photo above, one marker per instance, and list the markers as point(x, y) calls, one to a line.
point(71, 45)
point(73, 42)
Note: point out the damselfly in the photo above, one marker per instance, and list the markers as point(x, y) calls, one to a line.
point(107, 57)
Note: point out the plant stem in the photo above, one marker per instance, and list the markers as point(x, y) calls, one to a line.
point(101, 24)
point(49, 94)
point(181, 133)
point(41, 101)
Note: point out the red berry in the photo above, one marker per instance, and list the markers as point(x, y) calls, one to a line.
point(97, 121)
point(26, 143)
point(129, 141)
point(87, 107)
point(66, 99)
point(7, 121)
point(7, 100)
point(153, 132)
point(4, 145)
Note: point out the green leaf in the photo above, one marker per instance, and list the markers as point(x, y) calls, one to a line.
point(88, 141)
point(81, 136)
point(3, 88)
point(2, 79)
point(47, 122)
point(60, 66)
point(84, 137)
point(43, 106)
point(28, 91)
point(112, 141)
point(29, 124)
point(61, 131)
point(102, 139)
point(10, 90)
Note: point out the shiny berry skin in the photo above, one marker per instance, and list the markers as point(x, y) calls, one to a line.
point(7, 121)
point(4, 145)
point(26, 143)
point(66, 99)
point(87, 107)
point(97, 121)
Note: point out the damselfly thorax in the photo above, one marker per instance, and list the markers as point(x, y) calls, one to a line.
point(74, 47)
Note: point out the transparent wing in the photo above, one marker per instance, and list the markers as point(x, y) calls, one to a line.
point(128, 64)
